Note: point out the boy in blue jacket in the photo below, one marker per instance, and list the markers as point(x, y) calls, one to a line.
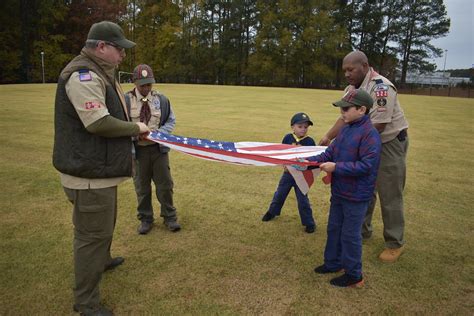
point(353, 159)
point(300, 123)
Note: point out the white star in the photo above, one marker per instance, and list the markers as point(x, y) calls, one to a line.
point(185, 142)
point(206, 146)
point(199, 141)
point(220, 145)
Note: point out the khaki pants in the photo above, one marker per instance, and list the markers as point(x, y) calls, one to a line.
point(151, 164)
point(94, 216)
point(390, 185)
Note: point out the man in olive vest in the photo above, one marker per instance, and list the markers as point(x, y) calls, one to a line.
point(388, 118)
point(93, 153)
point(152, 162)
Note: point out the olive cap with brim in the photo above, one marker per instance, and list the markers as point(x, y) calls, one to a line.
point(109, 32)
point(355, 97)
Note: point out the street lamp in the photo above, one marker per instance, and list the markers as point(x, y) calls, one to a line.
point(42, 64)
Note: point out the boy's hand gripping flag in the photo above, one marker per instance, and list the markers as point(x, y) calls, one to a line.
point(246, 153)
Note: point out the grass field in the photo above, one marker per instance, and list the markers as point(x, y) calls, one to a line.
point(225, 260)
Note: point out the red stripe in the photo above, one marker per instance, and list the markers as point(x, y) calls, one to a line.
point(308, 177)
point(245, 156)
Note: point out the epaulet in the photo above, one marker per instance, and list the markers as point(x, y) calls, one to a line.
point(84, 75)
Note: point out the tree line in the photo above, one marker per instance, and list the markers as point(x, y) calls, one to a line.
point(295, 43)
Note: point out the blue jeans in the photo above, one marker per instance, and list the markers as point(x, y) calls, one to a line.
point(304, 207)
point(344, 243)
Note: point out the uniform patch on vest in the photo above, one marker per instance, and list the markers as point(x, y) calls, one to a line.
point(84, 75)
point(92, 105)
point(156, 104)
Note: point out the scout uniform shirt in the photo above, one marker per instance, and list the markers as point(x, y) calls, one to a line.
point(386, 108)
point(86, 91)
point(137, 102)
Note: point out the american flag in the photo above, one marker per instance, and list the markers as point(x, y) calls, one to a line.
point(246, 153)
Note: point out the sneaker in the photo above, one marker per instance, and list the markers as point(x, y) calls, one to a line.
point(172, 225)
point(310, 229)
point(390, 255)
point(346, 280)
point(268, 217)
point(144, 228)
point(322, 269)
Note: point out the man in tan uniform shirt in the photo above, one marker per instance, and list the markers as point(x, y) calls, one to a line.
point(389, 119)
point(92, 151)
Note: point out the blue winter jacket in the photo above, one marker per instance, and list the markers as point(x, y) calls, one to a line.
point(356, 152)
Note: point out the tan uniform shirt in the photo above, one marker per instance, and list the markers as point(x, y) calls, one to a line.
point(386, 107)
point(136, 104)
point(88, 98)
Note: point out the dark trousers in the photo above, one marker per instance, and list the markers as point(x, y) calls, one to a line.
point(152, 165)
point(304, 207)
point(344, 243)
point(94, 217)
point(390, 185)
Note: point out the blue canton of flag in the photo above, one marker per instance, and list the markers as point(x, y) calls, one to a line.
point(198, 142)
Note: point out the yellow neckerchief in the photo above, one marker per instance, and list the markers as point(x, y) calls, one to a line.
point(298, 139)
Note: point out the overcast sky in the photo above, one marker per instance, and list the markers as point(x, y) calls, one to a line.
point(460, 40)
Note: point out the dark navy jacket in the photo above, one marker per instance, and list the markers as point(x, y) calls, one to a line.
point(356, 152)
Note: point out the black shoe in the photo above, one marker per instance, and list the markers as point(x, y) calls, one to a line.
point(268, 217)
point(89, 311)
point(144, 228)
point(172, 225)
point(322, 269)
point(347, 281)
point(114, 263)
point(310, 229)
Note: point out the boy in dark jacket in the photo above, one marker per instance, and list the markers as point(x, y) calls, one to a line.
point(300, 123)
point(353, 159)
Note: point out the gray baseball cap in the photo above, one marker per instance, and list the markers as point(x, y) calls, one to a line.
point(109, 32)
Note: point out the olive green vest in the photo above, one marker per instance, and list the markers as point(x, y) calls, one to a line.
point(76, 151)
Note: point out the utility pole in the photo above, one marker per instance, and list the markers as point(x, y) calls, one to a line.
point(444, 67)
point(42, 64)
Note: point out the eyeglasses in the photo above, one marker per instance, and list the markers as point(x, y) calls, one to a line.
point(120, 49)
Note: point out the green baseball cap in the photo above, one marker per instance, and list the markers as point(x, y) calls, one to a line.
point(355, 97)
point(109, 32)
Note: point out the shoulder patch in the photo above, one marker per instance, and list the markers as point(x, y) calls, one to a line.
point(381, 93)
point(84, 75)
point(381, 87)
point(378, 81)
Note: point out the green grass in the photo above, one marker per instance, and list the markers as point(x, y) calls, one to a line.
point(225, 260)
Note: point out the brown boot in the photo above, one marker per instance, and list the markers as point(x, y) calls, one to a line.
point(390, 255)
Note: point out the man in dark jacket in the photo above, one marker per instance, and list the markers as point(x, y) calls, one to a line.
point(93, 153)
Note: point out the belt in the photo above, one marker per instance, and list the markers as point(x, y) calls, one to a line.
point(402, 135)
